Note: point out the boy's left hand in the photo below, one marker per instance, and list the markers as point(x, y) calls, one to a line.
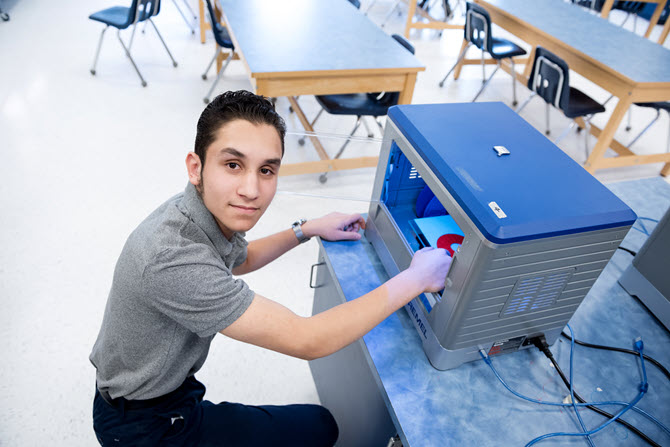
point(335, 227)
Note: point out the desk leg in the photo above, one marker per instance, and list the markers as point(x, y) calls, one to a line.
point(323, 155)
point(654, 18)
point(203, 24)
point(457, 70)
point(607, 7)
point(664, 32)
point(408, 90)
point(607, 134)
point(410, 17)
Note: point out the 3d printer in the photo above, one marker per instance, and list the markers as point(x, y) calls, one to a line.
point(529, 229)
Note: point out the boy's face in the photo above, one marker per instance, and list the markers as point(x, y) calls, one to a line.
point(239, 178)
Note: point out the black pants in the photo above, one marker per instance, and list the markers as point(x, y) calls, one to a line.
point(184, 419)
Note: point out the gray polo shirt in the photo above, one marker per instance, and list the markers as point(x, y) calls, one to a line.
point(172, 291)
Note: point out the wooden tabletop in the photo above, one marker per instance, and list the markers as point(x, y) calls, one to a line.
point(295, 37)
point(626, 53)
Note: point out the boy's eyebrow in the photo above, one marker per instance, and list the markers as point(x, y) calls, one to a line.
point(235, 153)
point(232, 151)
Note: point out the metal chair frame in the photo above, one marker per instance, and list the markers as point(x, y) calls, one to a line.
point(485, 49)
point(538, 82)
point(147, 8)
point(218, 51)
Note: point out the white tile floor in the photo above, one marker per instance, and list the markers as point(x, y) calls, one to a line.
point(87, 158)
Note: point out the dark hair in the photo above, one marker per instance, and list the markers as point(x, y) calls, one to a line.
point(231, 106)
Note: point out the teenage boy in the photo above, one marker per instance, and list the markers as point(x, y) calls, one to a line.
point(175, 287)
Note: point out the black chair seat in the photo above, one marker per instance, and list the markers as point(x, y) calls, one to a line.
point(222, 37)
point(360, 104)
point(581, 104)
point(503, 48)
point(116, 16)
point(655, 105)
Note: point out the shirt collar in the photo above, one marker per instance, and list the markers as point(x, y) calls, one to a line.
point(194, 208)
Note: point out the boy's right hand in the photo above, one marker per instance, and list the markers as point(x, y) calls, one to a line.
point(430, 265)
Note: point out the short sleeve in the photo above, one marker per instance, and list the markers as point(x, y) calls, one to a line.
point(192, 286)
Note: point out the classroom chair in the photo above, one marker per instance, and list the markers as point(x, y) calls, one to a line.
point(121, 17)
point(360, 105)
point(478, 33)
point(550, 79)
point(223, 40)
point(658, 106)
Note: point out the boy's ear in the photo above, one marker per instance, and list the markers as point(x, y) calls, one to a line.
point(194, 168)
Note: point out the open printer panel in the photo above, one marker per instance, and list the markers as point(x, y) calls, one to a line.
point(530, 230)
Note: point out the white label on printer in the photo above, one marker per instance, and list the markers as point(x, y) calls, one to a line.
point(496, 209)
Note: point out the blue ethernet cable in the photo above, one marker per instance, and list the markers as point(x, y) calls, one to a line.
point(561, 404)
point(630, 405)
point(572, 392)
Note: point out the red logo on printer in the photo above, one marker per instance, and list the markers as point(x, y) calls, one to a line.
point(447, 240)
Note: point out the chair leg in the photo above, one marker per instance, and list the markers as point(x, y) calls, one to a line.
point(381, 126)
point(525, 103)
point(658, 113)
point(324, 177)
point(369, 7)
point(587, 133)
point(565, 132)
point(216, 54)
point(514, 101)
point(395, 5)
point(359, 119)
point(301, 140)
point(118, 34)
point(483, 69)
point(183, 16)
point(174, 62)
point(486, 83)
point(195, 17)
point(367, 128)
point(316, 117)
point(218, 76)
point(97, 53)
point(132, 36)
point(460, 58)
point(547, 131)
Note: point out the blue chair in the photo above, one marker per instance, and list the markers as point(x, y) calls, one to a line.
point(658, 106)
point(223, 40)
point(360, 105)
point(478, 33)
point(121, 17)
point(550, 79)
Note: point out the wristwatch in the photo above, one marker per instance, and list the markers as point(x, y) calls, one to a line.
point(297, 228)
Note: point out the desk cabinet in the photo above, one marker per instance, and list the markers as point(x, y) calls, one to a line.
point(347, 381)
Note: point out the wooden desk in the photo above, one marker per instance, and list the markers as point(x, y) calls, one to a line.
point(304, 47)
point(629, 66)
point(660, 4)
point(432, 22)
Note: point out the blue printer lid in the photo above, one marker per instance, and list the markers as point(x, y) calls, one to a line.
point(541, 191)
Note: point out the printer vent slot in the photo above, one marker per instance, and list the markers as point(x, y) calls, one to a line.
point(413, 173)
point(536, 292)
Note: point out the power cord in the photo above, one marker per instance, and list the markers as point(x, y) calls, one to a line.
point(541, 344)
point(627, 351)
point(628, 250)
point(627, 405)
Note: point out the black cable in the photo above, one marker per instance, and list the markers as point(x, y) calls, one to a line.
point(627, 351)
point(541, 344)
point(627, 250)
